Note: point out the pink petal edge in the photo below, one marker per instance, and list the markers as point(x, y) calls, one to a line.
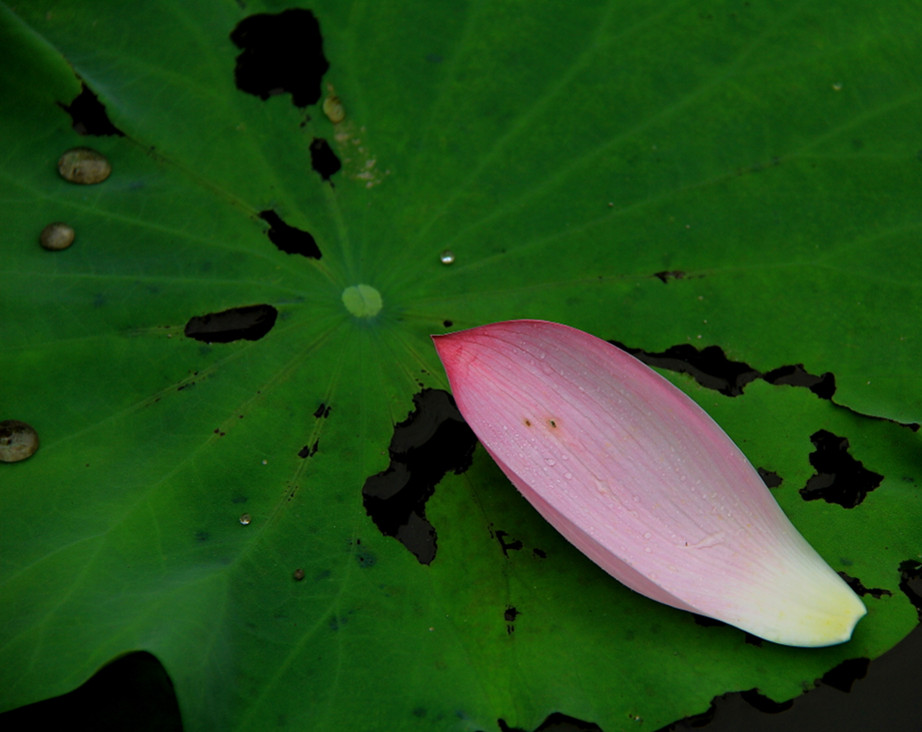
point(640, 479)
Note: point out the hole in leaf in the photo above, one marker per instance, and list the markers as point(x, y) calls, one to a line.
point(290, 239)
point(323, 159)
point(911, 583)
point(769, 477)
point(308, 450)
point(88, 115)
point(510, 545)
point(710, 366)
point(431, 441)
point(250, 323)
point(281, 54)
point(859, 589)
point(843, 676)
point(665, 276)
point(132, 692)
point(823, 386)
point(839, 477)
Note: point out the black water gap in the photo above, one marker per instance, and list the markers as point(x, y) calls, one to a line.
point(281, 53)
point(839, 477)
point(88, 115)
point(323, 159)
point(433, 440)
point(250, 322)
point(290, 239)
point(712, 369)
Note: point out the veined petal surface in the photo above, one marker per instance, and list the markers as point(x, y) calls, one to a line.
point(640, 479)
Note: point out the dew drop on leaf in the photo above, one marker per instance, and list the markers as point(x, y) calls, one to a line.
point(18, 441)
point(447, 257)
point(84, 165)
point(333, 109)
point(56, 236)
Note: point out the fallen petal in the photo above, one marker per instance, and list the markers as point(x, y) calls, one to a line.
point(640, 479)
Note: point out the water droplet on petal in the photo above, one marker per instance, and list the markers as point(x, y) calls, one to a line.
point(550, 461)
point(568, 475)
point(447, 257)
point(647, 535)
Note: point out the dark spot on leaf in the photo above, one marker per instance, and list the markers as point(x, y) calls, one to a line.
point(823, 386)
point(507, 546)
point(202, 536)
point(859, 589)
point(323, 159)
point(365, 558)
point(839, 477)
point(89, 116)
point(281, 54)
point(322, 412)
point(705, 622)
point(511, 613)
point(672, 275)
point(710, 366)
point(843, 676)
point(250, 322)
point(540, 553)
point(447, 323)
point(308, 450)
point(290, 239)
point(298, 575)
point(433, 440)
point(770, 478)
point(911, 583)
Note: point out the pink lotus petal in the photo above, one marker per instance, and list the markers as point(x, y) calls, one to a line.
point(636, 475)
